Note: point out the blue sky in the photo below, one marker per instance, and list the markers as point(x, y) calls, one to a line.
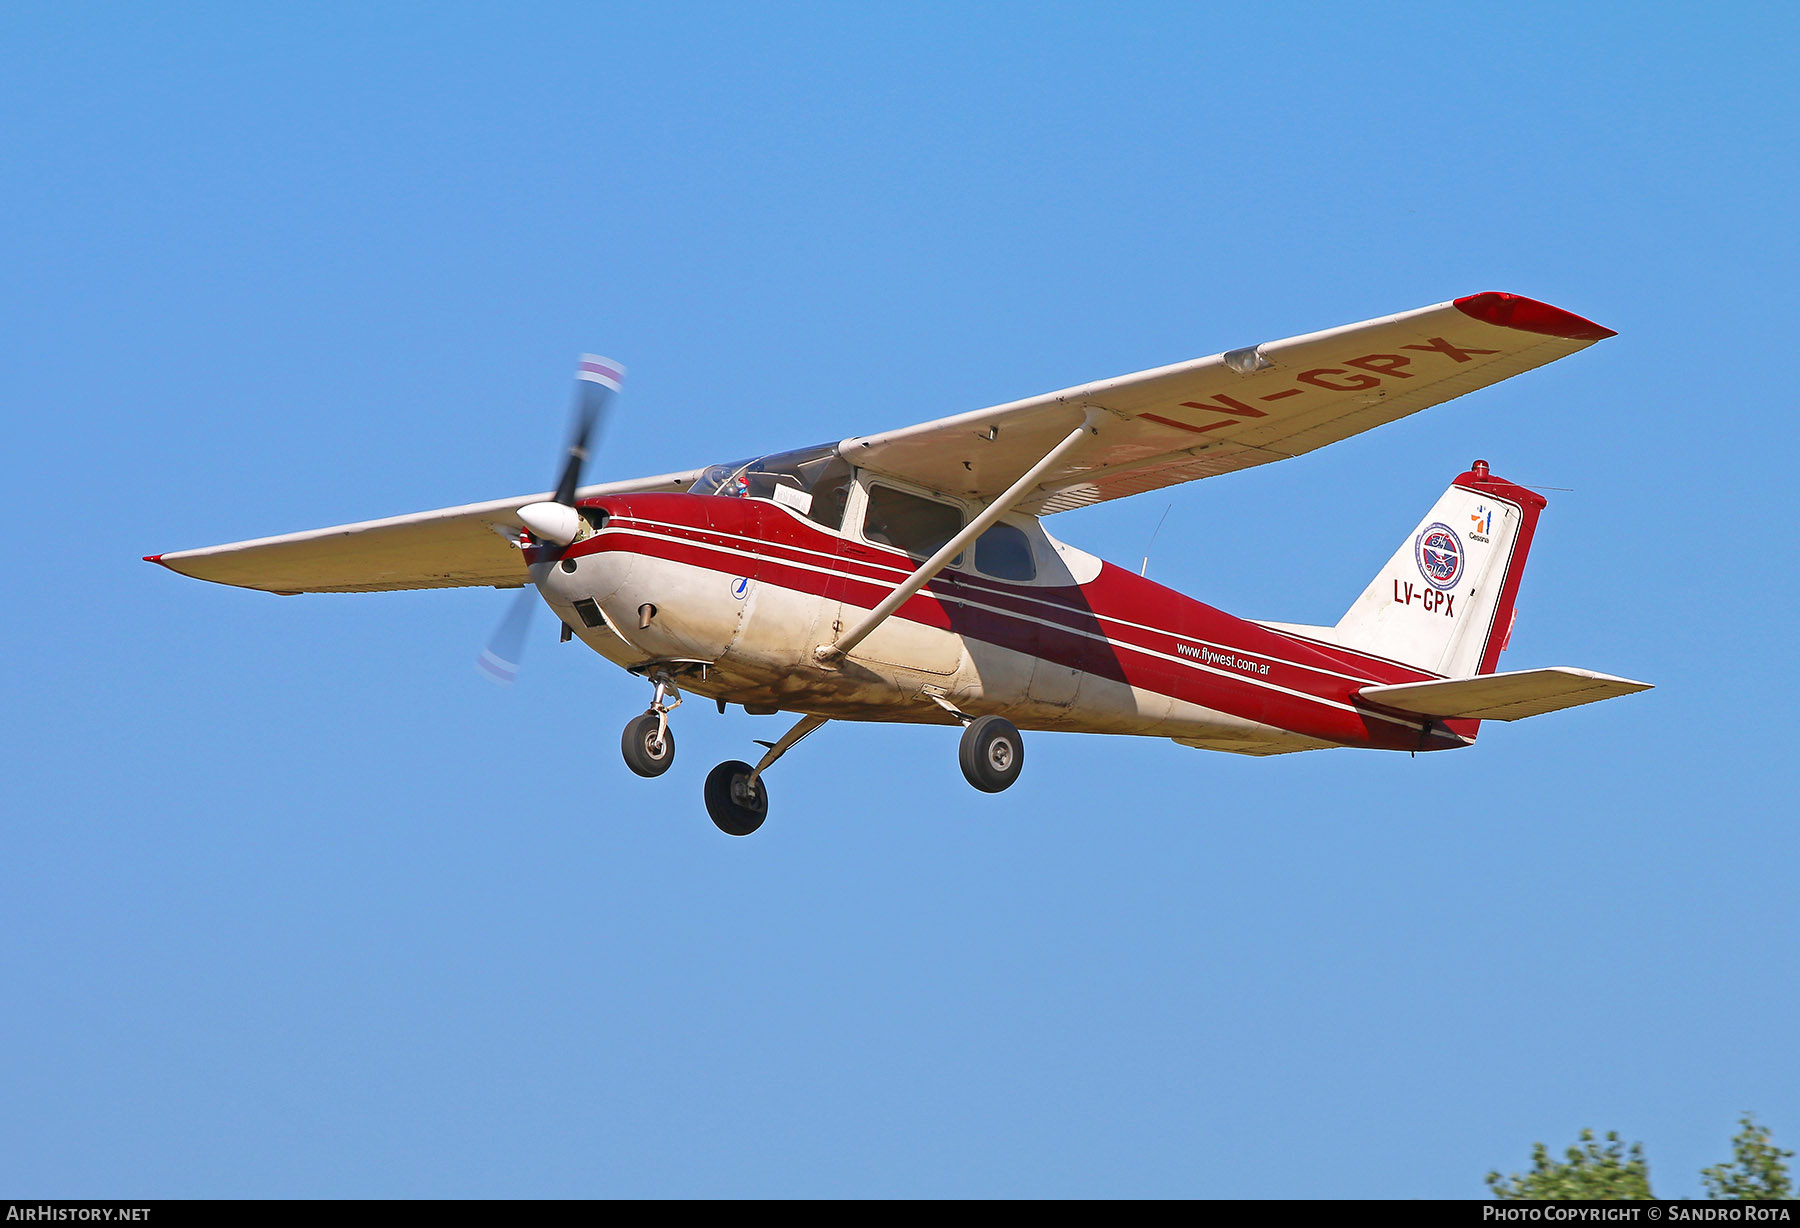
point(297, 904)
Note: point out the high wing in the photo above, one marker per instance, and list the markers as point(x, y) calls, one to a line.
point(1157, 428)
point(1233, 410)
point(448, 548)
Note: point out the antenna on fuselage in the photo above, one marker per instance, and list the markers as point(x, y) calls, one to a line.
point(1145, 569)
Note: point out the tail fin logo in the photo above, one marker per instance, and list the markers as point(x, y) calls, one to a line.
point(1482, 522)
point(1439, 552)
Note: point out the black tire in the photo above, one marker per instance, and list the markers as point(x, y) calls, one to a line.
point(733, 808)
point(992, 753)
point(643, 753)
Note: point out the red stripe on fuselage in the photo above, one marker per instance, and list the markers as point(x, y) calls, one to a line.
point(1119, 626)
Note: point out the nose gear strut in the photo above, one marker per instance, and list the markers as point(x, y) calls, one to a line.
point(649, 744)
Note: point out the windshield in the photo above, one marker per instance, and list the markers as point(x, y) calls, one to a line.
point(813, 481)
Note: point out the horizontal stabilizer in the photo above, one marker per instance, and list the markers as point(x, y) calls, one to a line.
point(1502, 697)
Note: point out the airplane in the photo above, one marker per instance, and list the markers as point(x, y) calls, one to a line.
point(908, 576)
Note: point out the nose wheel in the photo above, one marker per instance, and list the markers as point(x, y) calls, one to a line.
point(649, 744)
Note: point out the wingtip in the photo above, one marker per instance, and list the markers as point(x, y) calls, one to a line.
point(1530, 316)
point(153, 558)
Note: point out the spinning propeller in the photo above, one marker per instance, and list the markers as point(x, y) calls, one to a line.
point(555, 523)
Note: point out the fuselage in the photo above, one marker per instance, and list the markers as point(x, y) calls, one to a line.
point(737, 593)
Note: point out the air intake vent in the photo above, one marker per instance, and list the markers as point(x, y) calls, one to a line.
point(590, 612)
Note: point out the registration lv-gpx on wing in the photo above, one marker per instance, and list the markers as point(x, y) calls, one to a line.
point(908, 575)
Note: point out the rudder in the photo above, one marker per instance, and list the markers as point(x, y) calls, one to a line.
point(1444, 601)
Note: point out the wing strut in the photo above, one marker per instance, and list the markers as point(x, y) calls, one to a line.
point(1011, 497)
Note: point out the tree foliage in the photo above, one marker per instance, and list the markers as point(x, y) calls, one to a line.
point(1593, 1169)
point(1758, 1168)
point(1607, 1169)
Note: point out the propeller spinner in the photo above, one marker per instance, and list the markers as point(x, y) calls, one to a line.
point(554, 521)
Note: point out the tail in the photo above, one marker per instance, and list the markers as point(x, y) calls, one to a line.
point(1444, 605)
point(1444, 602)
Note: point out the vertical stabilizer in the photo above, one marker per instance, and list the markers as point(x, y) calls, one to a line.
point(1444, 602)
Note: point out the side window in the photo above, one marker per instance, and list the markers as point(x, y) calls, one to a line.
point(828, 500)
point(911, 523)
point(1004, 552)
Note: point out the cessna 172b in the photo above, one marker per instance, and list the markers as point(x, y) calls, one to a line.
point(908, 576)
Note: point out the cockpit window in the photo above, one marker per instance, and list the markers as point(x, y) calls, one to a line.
point(829, 498)
point(813, 481)
point(723, 480)
point(910, 522)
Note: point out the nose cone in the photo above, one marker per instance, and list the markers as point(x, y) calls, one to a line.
point(551, 522)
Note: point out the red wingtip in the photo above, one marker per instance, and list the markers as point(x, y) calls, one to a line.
point(1530, 316)
point(153, 558)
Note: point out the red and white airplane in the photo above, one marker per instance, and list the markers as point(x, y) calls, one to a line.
point(908, 576)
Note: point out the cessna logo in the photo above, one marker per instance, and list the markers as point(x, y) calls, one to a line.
point(1481, 523)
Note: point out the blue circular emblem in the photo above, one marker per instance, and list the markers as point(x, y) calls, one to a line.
point(740, 588)
point(1439, 552)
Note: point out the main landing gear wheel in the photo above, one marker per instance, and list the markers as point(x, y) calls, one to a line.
point(648, 744)
point(736, 804)
point(992, 753)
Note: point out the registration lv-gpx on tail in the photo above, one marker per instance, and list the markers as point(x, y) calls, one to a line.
point(908, 576)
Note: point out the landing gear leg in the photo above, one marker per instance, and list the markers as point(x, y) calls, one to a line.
point(649, 743)
point(737, 801)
